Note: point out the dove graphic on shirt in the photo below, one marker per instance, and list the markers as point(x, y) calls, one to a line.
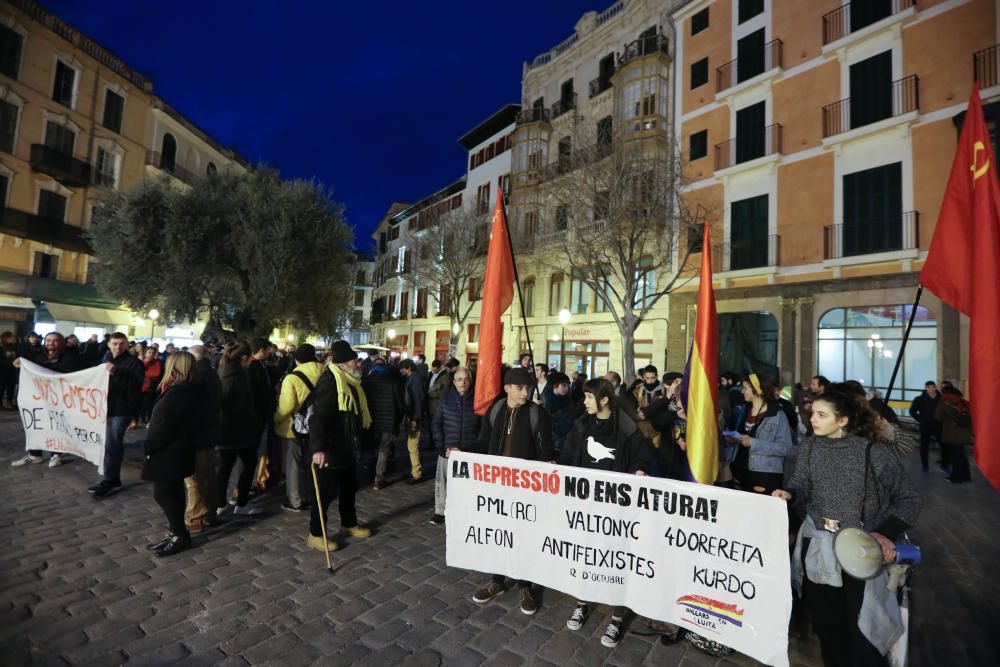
point(598, 451)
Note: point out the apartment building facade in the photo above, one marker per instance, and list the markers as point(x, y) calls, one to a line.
point(358, 329)
point(76, 123)
point(823, 134)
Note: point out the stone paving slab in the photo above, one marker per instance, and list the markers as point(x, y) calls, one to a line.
point(78, 587)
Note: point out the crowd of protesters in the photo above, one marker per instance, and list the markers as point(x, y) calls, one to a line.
point(329, 423)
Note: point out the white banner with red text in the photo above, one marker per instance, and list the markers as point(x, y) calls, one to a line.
point(712, 560)
point(64, 413)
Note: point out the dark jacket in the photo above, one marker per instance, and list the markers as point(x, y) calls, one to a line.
point(265, 401)
point(384, 389)
point(125, 386)
point(632, 450)
point(331, 431)
point(415, 403)
point(952, 431)
point(169, 446)
point(239, 422)
point(455, 424)
point(532, 446)
point(922, 409)
point(661, 413)
point(441, 386)
point(67, 362)
point(207, 425)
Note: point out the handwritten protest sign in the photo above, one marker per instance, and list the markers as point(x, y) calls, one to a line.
point(712, 560)
point(64, 412)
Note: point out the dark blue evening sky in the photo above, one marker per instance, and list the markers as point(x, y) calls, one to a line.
point(367, 97)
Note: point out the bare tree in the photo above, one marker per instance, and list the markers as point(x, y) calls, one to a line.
point(614, 216)
point(449, 260)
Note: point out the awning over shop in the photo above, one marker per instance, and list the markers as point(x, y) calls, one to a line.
point(11, 301)
point(62, 312)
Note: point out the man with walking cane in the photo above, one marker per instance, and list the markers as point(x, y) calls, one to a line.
point(340, 413)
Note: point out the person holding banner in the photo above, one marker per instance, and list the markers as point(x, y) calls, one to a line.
point(845, 477)
point(765, 438)
point(604, 439)
point(455, 426)
point(124, 404)
point(520, 429)
point(169, 448)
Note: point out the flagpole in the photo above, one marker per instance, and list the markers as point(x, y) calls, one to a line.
point(902, 348)
point(517, 281)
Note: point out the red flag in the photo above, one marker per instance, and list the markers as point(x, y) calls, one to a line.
point(498, 294)
point(703, 378)
point(963, 270)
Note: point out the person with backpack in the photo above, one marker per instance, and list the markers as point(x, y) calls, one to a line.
point(953, 413)
point(518, 428)
point(294, 405)
point(384, 389)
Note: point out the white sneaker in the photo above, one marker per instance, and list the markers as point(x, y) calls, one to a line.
point(24, 460)
point(56, 460)
point(247, 510)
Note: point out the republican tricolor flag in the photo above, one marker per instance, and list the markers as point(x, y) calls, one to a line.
point(701, 379)
point(963, 270)
point(498, 294)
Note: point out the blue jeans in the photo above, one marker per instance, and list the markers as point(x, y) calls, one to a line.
point(114, 448)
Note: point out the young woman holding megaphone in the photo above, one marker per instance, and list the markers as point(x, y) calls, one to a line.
point(845, 478)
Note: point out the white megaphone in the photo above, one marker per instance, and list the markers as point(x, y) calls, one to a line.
point(861, 555)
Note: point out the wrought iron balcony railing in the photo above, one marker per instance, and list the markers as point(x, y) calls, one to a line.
point(897, 98)
point(749, 146)
point(44, 230)
point(866, 237)
point(737, 71)
point(562, 106)
point(752, 253)
point(859, 14)
point(63, 167)
point(599, 85)
point(533, 115)
point(986, 66)
point(644, 46)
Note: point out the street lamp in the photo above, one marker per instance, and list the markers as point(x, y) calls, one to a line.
point(154, 314)
point(564, 319)
point(391, 333)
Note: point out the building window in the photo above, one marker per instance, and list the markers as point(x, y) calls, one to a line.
point(645, 279)
point(394, 233)
point(643, 97)
point(605, 133)
point(750, 56)
point(51, 206)
point(528, 292)
point(555, 293)
point(565, 154)
point(699, 73)
point(579, 295)
point(748, 233)
point(421, 304)
point(862, 342)
point(8, 126)
point(65, 83)
point(4, 182)
point(10, 51)
point(699, 21)
point(392, 306)
point(562, 217)
point(483, 199)
point(105, 166)
point(211, 169)
point(871, 89)
point(46, 265)
point(873, 210)
point(404, 304)
point(751, 8)
point(59, 138)
point(359, 298)
point(602, 205)
point(168, 152)
point(698, 145)
point(114, 110)
point(473, 333)
point(750, 135)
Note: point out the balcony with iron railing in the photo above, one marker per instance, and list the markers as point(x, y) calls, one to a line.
point(43, 230)
point(533, 115)
point(878, 235)
point(171, 167)
point(644, 46)
point(598, 85)
point(901, 97)
point(986, 66)
point(564, 105)
point(68, 170)
point(736, 71)
point(754, 253)
point(854, 16)
point(747, 147)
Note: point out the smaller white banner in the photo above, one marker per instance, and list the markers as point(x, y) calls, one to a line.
point(64, 412)
point(712, 560)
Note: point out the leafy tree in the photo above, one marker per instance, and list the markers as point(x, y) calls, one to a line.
point(248, 250)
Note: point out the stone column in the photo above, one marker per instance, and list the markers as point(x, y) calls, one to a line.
point(949, 340)
point(807, 343)
point(786, 346)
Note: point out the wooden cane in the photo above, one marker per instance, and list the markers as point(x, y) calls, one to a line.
point(322, 521)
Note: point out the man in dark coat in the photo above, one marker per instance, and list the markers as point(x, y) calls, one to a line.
point(415, 410)
point(520, 429)
point(124, 403)
point(922, 409)
point(201, 493)
point(455, 426)
point(384, 390)
point(340, 413)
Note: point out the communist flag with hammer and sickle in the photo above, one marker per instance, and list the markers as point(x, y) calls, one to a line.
point(963, 270)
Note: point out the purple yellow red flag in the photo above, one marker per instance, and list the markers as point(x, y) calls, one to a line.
point(498, 294)
point(963, 270)
point(701, 379)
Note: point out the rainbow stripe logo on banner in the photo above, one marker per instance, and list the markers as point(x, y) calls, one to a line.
point(727, 612)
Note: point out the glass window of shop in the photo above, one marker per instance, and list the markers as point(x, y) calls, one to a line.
point(862, 343)
point(582, 356)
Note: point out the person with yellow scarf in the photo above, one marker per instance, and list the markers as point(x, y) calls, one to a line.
point(340, 414)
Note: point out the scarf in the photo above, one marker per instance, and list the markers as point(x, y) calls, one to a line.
point(345, 398)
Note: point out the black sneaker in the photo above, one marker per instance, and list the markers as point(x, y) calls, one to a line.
point(175, 545)
point(578, 618)
point(293, 508)
point(437, 519)
point(612, 634)
point(529, 604)
point(105, 489)
point(95, 487)
point(489, 592)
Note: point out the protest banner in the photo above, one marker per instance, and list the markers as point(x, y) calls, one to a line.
point(64, 412)
point(712, 560)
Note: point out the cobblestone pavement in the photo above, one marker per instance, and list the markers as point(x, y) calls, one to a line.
point(77, 585)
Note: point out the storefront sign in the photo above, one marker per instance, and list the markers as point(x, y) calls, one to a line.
point(64, 412)
point(712, 560)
